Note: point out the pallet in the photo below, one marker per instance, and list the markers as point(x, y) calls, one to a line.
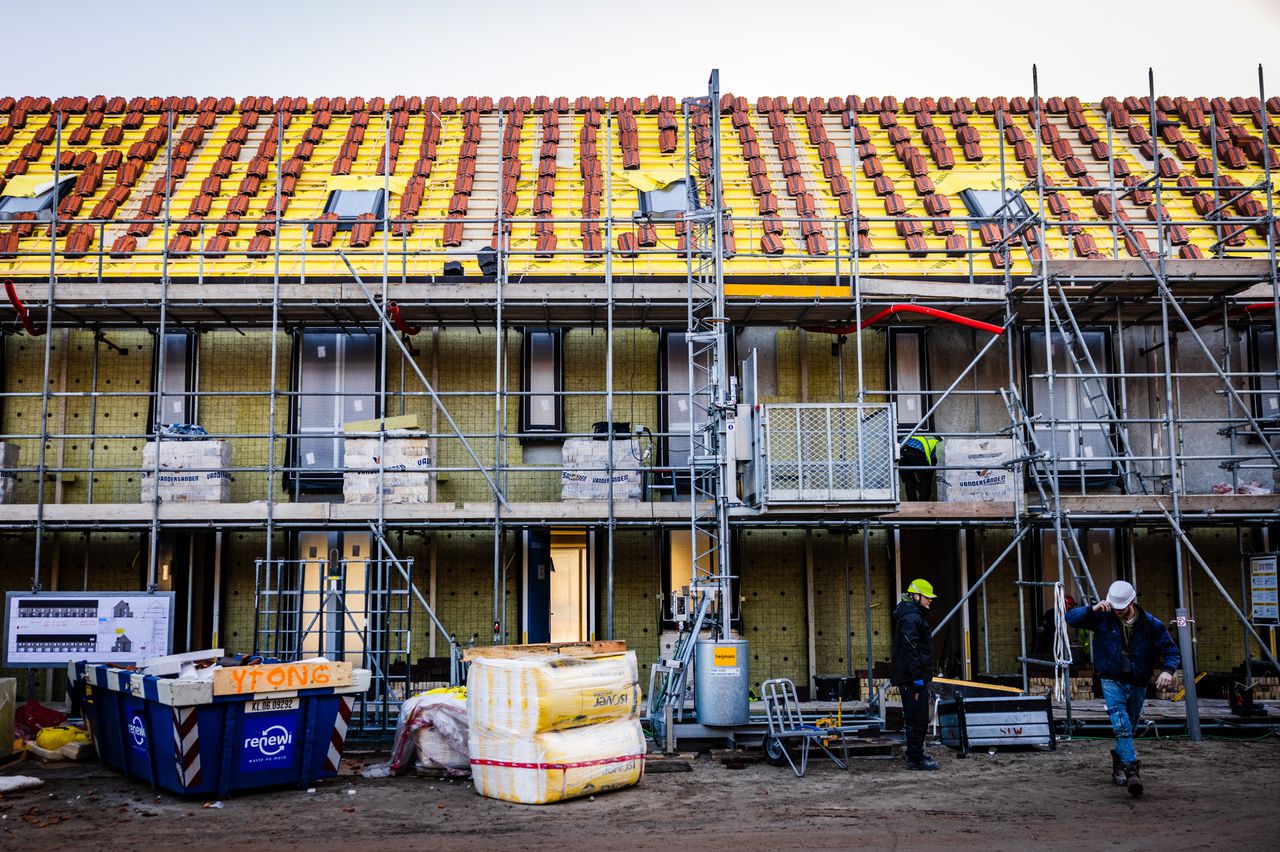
point(573, 649)
point(871, 748)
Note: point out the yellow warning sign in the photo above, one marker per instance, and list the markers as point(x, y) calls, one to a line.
point(725, 657)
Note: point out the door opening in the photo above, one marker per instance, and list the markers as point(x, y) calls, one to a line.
point(558, 602)
point(333, 601)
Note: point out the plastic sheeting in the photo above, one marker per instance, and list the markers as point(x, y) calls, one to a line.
point(432, 726)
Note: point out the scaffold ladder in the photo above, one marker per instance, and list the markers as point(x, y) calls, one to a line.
point(1069, 544)
point(1094, 389)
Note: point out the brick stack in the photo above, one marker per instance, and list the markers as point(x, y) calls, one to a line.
point(406, 466)
point(190, 471)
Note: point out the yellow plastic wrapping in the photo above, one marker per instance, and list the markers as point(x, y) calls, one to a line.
point(553, 766)
point(56, 737)
point(529, 695)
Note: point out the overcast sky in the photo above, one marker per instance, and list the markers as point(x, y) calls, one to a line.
point(1087, 48)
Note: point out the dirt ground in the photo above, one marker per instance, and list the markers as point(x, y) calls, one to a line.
point(1215, 795)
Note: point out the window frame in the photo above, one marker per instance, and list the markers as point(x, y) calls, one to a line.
point(1033, 346)
point(191, 378)
point(668, 195)
point(42, 205)
point(378, 207)
point(528, 429)
point(1262, 360)
point(667, 590)
point(925, 399)
point(666, 400)
point(322, 482)
point(1015, 213)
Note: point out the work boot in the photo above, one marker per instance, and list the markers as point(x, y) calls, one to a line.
point(926, 764)
point(1133, 779)
point(1117, 770)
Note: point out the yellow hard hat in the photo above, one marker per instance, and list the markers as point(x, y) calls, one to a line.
point(921, 587)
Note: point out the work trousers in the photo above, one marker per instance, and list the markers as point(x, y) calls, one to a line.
point(915, 718)
point(917, 483)
point(1124, 706)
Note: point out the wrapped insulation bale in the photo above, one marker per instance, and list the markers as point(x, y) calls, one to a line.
point(533, 694)
point(553, 766)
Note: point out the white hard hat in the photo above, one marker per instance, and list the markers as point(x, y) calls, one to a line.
point(1121, 594)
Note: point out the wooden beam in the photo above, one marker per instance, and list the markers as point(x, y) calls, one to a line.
point(572, 649)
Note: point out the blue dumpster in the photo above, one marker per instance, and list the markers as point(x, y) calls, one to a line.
point(179, 736)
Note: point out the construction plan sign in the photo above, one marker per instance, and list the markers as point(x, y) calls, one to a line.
point(1263, 589)
point(51, 629)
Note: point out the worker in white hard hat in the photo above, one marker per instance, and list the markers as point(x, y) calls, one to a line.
point(911, 667)
point(1130, 643)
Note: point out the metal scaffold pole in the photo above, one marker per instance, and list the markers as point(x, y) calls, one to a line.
point(611, 521)
point(499, 389)
point(1183, 620)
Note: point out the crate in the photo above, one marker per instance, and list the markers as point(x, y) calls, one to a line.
point(972, 723)
point(180, 736)
point(835, 687)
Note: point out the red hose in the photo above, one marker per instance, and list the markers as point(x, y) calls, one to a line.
point(1258, 306)
point(23, 316)
point(910, 309)
point(398, 321)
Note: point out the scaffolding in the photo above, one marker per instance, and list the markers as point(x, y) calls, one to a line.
point(1144, 293)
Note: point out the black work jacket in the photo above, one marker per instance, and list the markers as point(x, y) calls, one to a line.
point(912, 658)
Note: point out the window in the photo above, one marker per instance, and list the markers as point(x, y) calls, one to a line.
point(908, 375)
point(349, 204)
point(675, 411)
point(666, 202)
point(1262, 360)
point(1101, 549)
point(176, 401)
point(1083, 440)
point(336, 383)
point(989, 204)
point(678, 570)
point(541, 380)
point(34, 194)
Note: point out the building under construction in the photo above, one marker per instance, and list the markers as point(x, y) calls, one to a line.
point(475, 370)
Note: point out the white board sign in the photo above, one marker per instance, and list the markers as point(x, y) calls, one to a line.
point(1263, 590)
point(51, 629)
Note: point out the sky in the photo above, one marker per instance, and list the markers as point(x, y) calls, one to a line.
point(1087, 48)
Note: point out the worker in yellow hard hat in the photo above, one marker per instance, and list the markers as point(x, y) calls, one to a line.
point(921, 453)
point(911, 667)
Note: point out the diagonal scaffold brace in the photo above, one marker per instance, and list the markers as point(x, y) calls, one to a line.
point(417, 371)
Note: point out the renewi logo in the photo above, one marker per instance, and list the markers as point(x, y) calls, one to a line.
point(271, 741)
point(137, 731)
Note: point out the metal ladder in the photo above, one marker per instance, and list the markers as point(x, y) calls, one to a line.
point(1094, 387)
point(1024, 430)
point(668, 679)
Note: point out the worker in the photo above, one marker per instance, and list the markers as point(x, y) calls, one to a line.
point(911, 668)
point(1043, 647)
point(919, 451)
point(1129, 643)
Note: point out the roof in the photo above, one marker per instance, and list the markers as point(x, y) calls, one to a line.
point(555, 168)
